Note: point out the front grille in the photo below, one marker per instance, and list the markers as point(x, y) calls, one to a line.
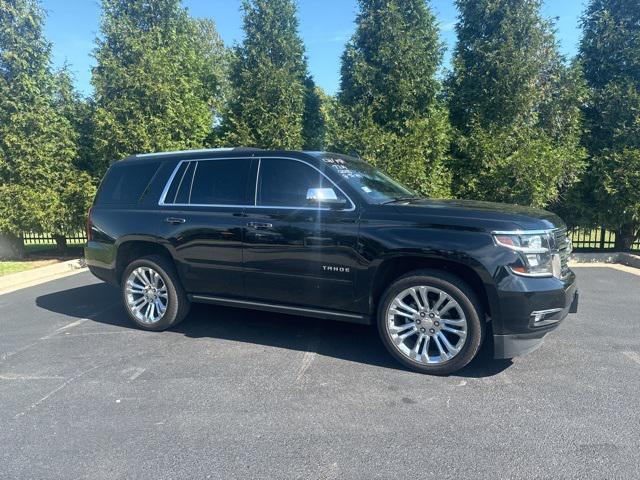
point(563, 246)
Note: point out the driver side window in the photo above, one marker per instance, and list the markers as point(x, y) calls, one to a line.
point(286, 183)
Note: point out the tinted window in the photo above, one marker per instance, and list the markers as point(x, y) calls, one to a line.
point(286, 182)
point(220, 182)
point(125, 183)
point(179, 190)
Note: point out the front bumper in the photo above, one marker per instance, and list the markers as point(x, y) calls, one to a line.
point(531, 308)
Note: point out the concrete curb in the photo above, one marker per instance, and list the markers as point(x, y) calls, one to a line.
point(630, 260)
point(608, 257)
point(36, 276)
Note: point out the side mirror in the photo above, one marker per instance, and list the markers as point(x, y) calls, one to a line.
point(326, 197)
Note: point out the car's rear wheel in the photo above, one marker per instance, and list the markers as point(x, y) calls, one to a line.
point(431, 321)
point(152, 294)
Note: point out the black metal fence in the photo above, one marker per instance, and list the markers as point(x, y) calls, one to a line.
point(594, 240)
point(43, 239)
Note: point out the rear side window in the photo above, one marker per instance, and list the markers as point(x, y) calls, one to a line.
point(210, 182)
point(220, 182)
point(125, 184)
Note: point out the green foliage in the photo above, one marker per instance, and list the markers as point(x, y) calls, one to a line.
point(413, 153)
point(38, 145)
point(620, 173)
point(390, 63)
point(313, 120)
point(159, 80)
point(514, 104)
point(610, 54)
point(268, 79)
point(519, 165)
point(79, 112)
point(388, 111)
point(503, 48)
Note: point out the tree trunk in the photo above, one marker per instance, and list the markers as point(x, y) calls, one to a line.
point(61, 243)
point(11, 246)
point(625, 236)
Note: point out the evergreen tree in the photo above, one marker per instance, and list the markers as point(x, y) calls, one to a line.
point(313, 121)
point(79, 113)
point(514, 104)
point(159, 79)
point(610, 54)
point(40, 190)
point(389, 112)
point(268, 74)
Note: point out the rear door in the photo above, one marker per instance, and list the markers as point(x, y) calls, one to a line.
point(297, 253)
point(203, 209)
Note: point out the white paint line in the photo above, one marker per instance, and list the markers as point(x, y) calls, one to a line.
point(75, 323)
point(307, 360)
point(635, 356)
point(17, 376)
point(310, 355)
point(503, 376)
point(135, 372)
point(57, 389)
point(65, 327)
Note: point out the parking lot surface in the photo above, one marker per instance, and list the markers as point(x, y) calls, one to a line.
point(244, 394)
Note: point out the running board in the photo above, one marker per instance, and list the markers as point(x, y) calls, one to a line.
point(272, 307)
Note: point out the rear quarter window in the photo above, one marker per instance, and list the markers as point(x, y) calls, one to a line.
point(125, 184)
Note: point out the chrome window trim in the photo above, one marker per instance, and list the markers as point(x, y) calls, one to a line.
point(181, 180)
point(162, 203)
point(255, 190)
point(193, 177)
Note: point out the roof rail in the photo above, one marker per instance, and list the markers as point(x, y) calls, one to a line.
point(173, 152)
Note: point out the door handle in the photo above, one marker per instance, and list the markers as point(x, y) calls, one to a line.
point(259, 225)
point(174, 220)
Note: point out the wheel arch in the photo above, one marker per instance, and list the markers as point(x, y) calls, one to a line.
point(134, 247)
point(393, 267)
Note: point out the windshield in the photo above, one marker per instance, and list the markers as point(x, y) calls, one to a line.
point(374, 185)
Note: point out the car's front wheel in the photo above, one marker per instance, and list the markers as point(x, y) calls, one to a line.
point(152, 294)
point(431, 321)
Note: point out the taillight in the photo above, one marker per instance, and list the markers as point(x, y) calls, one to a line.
point(89, 226)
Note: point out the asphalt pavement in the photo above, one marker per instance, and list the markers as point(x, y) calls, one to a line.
point(235, 393)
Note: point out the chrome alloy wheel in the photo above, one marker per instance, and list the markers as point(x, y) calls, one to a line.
point(146, 295)
point(426, 325)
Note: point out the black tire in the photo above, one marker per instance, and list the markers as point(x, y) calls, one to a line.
point(178, 304)
point(461, 293)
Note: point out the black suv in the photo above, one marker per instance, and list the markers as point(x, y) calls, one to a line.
point(329, 236)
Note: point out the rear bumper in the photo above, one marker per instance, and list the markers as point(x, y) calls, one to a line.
point(533, 313)
point(104, 274)
point(99, 258)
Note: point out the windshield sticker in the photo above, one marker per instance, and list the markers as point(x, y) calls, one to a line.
point(340, 165)
point(365, 189)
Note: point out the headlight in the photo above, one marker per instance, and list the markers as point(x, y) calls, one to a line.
point(538, 259)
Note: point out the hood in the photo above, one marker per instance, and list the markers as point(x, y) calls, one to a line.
point(484, 215)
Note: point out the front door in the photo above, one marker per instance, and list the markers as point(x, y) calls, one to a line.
point(299, 251)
